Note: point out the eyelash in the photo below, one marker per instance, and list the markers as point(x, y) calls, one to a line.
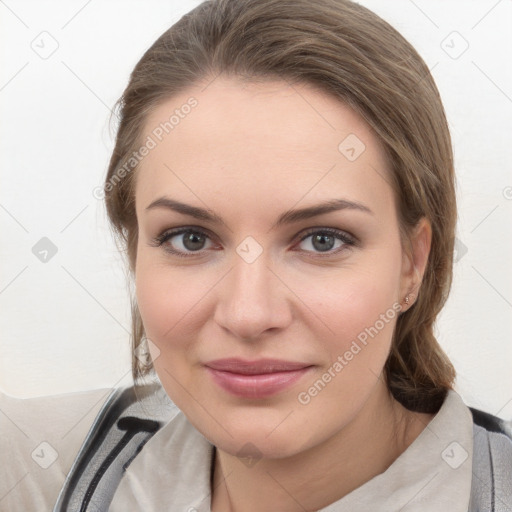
point(348, 240)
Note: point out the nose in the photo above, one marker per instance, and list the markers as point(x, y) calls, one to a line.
point(253, 300)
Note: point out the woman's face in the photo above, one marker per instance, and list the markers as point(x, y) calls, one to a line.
point(269, 265)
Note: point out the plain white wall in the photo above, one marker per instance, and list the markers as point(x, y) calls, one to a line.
point(65, 321)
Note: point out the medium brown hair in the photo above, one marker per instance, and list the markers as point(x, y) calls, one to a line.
point(344, 49)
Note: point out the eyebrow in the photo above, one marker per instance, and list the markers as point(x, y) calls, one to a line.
point(289, 217)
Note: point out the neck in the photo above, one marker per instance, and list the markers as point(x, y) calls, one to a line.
point(313, 479)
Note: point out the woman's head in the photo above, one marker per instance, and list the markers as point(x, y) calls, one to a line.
point(250, 109)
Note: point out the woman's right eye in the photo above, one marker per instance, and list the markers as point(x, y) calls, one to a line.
point(183, 242)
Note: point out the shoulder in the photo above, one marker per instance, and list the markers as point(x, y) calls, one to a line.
point(491, 423)
point(494, 435)
point(127, 421)
point(39, 439)
point(492, 462)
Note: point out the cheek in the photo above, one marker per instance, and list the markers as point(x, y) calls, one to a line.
point(168, 298)
point(358, 318)
point(352, 300)
point(167, 303)
point(156, 305)
point(361, 334)
point(355, 312)
point(174, 304)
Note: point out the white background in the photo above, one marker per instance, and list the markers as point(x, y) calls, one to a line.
point(65, 323)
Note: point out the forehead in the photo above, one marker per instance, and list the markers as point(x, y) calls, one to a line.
point(255, 140)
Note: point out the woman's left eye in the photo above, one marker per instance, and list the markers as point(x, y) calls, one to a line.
point(325, 241)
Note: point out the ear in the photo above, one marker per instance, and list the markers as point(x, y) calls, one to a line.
point(415, 254)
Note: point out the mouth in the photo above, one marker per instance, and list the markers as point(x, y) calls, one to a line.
point(256, 379)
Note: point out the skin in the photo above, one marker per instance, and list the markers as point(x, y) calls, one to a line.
point(250, 152)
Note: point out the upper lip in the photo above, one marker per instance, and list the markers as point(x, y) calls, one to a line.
point(257, 367)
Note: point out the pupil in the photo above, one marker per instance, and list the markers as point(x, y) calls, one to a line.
point(193, 241)
point(323, 242)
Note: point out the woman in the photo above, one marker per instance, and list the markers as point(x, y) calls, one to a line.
point(283, 185)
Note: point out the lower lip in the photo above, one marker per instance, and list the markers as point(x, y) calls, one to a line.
point(256, 386)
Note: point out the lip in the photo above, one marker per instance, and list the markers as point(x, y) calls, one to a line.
point(256, 379)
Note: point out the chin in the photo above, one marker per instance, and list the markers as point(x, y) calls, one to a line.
point(252, 445)
point(255, 434)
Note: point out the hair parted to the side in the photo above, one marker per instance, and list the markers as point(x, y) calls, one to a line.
point(348, 51)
